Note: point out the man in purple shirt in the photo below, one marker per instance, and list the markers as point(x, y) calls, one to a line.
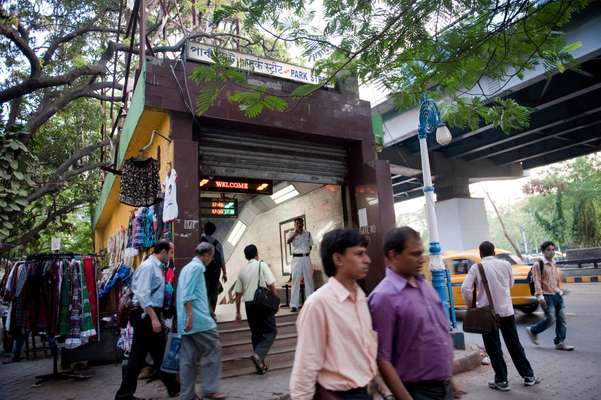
point(415, 349)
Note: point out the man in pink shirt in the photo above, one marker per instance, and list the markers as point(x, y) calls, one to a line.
point(336, 349)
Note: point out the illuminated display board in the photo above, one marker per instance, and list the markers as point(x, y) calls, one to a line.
point(219, 208)
point(235, 185)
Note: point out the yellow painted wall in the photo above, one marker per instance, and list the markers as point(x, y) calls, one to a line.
point(115, 215)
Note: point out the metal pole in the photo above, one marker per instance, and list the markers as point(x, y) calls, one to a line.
point(429, 121)
point(142, 14)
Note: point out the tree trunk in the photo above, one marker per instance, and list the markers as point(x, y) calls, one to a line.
point(509, 239)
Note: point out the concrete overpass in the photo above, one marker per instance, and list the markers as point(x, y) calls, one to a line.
point(565, 123)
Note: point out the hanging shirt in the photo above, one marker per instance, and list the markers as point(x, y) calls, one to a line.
point(170, 210)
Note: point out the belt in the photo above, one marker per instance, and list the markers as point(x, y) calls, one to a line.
point(360, 390)
point(301, 255)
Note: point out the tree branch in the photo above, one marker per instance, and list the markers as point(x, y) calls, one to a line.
point(51, 216)
point(47, 111)
point(38, 82)
point(14, 36)
point(70, 36)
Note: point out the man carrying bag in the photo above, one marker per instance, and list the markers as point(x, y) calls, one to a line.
point(492, 280)
point(256, 284)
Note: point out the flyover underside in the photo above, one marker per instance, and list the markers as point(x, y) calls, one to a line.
point(565, 123)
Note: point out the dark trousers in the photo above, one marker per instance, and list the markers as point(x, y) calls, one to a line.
point(212, 279)
point(492, 343)
point(144, 341)
point(262, 328)
point(430, 390)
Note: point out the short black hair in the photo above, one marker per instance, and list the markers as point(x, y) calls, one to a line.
point(337, 241)
point(546, 244)
point(396, 239)
point(161, 245)
point(487, 249)
point(210, 228)
point(250, 251)
point(299, 219)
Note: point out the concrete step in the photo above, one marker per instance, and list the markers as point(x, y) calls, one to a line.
point(276, 359)
point(244, 348)
point(279, 318)
point(242, 334)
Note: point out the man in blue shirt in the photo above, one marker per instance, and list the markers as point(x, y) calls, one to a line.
point(198, 329)
point(148, 285)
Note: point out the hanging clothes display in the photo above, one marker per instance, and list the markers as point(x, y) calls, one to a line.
point(170, 209)
point(56, 294)
point(140, 182)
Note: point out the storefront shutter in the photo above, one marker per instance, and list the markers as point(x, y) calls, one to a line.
point(237, 154)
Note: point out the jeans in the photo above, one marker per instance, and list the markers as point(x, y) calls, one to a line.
point(144, 341)
point(430, 390)
point(492, 343)
point(206, 347)
point(554, 312)
point(262, 328)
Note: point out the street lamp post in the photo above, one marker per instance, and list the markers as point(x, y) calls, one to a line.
point(430, 123)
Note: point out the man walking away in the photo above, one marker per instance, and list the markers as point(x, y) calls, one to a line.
point(148, 286)
point(415, 349)
point(301, 243)
point(499, 275)
point(262, 326)
point(198, 329)
point(215, 267)
point(546, 283)
point(336, 350)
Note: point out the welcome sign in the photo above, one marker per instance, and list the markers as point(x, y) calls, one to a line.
point(202, 53)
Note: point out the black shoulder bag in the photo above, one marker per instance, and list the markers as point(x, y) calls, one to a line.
point(481, 319)
point(265, 297)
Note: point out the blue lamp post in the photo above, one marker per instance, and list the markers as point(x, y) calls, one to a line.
point(430, 123)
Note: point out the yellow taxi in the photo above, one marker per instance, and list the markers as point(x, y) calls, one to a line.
point(458, 263)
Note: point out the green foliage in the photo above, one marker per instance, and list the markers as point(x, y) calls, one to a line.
point(566, 199)
point(586, 227)
point(442, 48)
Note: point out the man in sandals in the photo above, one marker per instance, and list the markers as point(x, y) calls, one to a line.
point(200, 339)
point(262, 325)
point(499, 275)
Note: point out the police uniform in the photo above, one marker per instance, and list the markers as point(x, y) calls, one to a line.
point(301, 266)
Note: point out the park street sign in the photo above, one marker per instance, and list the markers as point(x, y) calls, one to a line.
point(219, 208)
point(202, 53)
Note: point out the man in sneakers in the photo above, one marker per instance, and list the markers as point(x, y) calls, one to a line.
point(546, 283)
point(499, 275)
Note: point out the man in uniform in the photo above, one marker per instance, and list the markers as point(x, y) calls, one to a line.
point(301, 243)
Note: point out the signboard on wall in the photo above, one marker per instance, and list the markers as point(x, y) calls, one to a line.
point(202, 53)
point(236, 185)
point(219, 208)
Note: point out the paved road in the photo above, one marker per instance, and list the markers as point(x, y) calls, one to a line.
point(574, 376)
point(566, 375)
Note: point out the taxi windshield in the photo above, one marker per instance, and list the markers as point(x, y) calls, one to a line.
point(510, 258)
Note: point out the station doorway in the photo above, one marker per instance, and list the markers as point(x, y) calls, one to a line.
point(253, 186)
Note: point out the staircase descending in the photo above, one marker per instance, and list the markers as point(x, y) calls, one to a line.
point(236, 346)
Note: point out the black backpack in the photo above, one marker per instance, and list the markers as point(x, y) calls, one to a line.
point(215, 264)
point(530, 278)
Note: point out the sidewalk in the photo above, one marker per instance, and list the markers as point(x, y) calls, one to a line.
point(16, 382)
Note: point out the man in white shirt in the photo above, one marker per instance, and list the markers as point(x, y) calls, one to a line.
point(301, 244)
point(499, 275)
point(262, 326)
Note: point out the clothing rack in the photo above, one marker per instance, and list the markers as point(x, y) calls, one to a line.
point(57, 375)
